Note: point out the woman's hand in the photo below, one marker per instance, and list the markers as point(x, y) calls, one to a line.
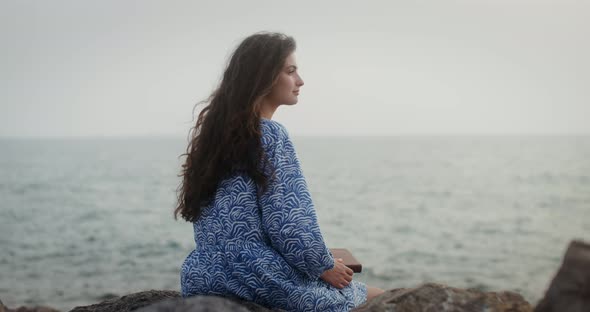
point(339, 276)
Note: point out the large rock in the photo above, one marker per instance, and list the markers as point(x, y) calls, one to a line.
point(570, 289)
point(442, 298)
point(429, 297)
point(3, 308)
point(163, 300)
point(130, 302)
point(205, 304)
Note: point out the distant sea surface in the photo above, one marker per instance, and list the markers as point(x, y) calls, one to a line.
point(82, 220)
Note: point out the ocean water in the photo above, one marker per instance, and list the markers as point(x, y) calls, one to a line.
point(82, 220)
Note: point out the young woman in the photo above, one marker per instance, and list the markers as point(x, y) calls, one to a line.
point(255, 226)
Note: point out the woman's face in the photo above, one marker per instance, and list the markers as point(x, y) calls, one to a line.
point(287, 85)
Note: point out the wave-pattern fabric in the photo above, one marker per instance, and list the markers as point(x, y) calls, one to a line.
point(268, 248)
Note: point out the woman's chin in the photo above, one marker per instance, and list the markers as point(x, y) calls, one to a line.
point(290, 102)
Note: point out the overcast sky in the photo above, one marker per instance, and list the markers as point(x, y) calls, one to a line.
point(118, 68)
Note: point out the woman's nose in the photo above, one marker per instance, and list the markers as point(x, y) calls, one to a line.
point(300, 82)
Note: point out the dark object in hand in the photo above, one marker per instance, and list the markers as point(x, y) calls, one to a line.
point(348, 259)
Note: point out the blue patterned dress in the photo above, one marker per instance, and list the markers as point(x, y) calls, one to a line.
point(266, 249)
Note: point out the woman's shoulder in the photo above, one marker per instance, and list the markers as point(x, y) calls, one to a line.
point(273, 130)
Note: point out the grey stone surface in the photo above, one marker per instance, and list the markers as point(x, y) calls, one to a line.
point(200, 304)
point(569, 290)
point(3, 308)
point(129, 302)
point(165, 300)
point(442, 298)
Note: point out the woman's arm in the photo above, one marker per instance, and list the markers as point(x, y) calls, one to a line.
point(288, 213)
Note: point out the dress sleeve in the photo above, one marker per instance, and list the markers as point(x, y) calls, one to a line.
point(288, 213)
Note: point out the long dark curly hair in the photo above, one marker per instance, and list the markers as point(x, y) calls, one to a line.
point(226, 137)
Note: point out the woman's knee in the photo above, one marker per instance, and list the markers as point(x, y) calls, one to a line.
point(373, 292)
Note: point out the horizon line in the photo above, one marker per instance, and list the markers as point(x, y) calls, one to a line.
point(145, 136)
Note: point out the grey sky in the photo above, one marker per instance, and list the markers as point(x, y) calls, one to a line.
point(77, 68)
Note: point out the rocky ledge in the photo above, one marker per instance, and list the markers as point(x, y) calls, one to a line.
point(428, 297)
point(568, 292)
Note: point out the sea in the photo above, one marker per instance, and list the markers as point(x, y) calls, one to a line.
point(87, 219)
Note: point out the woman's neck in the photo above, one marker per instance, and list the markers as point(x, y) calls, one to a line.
point(267, 109)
